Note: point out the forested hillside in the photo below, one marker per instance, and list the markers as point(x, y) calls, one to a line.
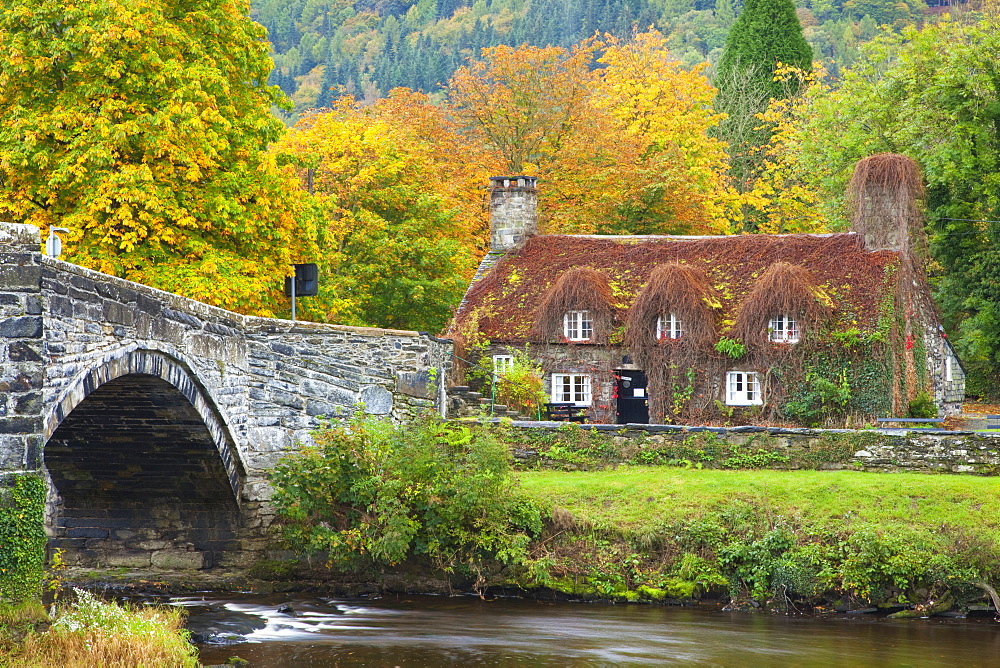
point(368, 47)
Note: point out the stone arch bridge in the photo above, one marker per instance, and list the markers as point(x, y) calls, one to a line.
point(156, 418)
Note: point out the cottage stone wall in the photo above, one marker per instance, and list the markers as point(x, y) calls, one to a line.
point(947, 394)
point(597, 361)
point(257, 386)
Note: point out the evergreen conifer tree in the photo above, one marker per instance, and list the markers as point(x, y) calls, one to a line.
point(766, 33)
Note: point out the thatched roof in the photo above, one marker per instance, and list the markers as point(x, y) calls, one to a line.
point(506, 299)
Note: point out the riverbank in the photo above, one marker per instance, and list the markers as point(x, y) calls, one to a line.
point(920, 544)
point(712, 518)
point(88, 631)
point(785, 540)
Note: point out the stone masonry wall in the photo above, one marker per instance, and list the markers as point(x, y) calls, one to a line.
point(21, 350)
point(887, 450)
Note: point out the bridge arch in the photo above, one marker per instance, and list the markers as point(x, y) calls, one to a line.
point(143, 465)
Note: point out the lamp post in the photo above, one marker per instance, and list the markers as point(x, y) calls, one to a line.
point(53, 244)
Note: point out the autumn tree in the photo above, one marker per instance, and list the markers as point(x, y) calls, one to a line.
point(623, 148)
point(399, 229)
point(142, 125)
point(523, 101)
point(781, 197)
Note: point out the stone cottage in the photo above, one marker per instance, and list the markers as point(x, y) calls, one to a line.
point(809, 329)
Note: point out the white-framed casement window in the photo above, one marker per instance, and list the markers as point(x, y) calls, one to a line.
point(502, 364)
point(783, 329)
point(578, 326)
point(949, 370)
point(669, 327)
point(571, 388)
point(743, 389)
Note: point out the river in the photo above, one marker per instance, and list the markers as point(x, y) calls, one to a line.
point(410, 631)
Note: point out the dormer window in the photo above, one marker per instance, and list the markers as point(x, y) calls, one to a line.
point(669, 327)
point(783, 329)
point(578, 326)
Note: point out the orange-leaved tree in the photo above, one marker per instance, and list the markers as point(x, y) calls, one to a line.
point(620, 149)
point(142, 125)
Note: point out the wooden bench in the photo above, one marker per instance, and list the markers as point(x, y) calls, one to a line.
point(565, 412)
point(935, 421)
point(992, 421)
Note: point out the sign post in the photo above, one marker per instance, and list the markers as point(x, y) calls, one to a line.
point(304, 284)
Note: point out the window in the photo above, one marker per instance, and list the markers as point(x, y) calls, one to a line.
point(571, 388)
point(783, 329)
point(949, 372)
point(577, 325)
point(743, 389)
point(669, 327)
point(502, 364)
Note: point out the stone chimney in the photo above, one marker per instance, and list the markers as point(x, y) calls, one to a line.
point(885, 194)
point(513, 211)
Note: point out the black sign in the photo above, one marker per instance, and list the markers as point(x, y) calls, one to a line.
point(306, 281)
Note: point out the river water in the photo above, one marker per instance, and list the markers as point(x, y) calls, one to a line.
point(436, 631)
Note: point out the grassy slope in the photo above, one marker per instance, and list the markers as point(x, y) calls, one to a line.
point(641, 498)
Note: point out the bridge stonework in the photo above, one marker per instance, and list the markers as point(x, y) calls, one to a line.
point(157, 418)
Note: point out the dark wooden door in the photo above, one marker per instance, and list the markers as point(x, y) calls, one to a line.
point(633, 401)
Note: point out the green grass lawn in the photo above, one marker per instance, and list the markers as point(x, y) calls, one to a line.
point(642, 498)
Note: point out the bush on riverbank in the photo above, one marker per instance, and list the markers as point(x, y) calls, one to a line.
point(92, 632)
point(789, 538)
point(371, 495)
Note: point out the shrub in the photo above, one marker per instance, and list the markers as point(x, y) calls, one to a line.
point(373, 494)
point(818, 398)
point(730, 347)
point(22, 538)
point(521, 387)
point(922, 406)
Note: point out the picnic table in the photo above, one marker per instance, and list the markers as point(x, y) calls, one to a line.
point(566, 412)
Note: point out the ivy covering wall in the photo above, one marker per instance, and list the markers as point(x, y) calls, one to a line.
point(22, 536)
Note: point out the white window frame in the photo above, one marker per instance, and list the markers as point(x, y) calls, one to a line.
point(578, 326)
point(743, 389)
point(502, 364)
point(949, 369)
point(669, 327)
point(783, 329)
point(571, 388)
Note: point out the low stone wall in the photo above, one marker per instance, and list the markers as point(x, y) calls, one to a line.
point(890, 450)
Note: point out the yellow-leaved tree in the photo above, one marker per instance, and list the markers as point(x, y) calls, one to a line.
point(781, 198)
point(142, 125)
